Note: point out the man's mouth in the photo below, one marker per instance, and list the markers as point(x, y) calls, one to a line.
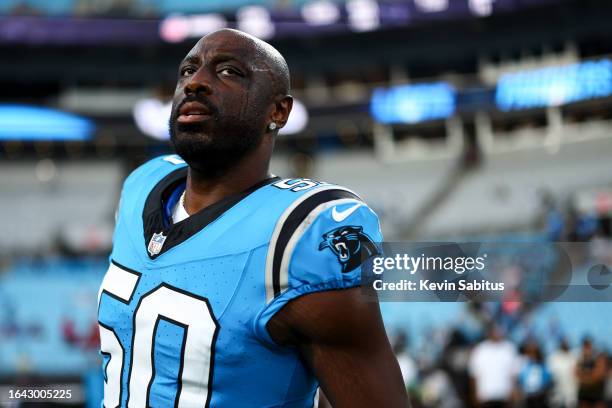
point(191, 112)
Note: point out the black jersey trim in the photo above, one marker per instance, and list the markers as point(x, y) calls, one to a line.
point(294, 220)
point(153, 212)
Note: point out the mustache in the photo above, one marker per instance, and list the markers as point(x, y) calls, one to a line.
point(194, 98)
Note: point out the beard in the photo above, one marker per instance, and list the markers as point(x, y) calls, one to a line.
point(214, 146)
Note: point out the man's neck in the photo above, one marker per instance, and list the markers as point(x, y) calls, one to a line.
point(202, 191)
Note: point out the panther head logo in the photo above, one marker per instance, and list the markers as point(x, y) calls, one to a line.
point(346, 243)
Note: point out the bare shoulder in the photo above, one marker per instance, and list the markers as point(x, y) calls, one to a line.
point(331, 316)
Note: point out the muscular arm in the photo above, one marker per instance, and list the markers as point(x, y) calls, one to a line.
point(342, 338)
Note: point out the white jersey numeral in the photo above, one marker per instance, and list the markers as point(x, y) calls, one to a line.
point(185, 310)
point(111, 347)
point(296, 184)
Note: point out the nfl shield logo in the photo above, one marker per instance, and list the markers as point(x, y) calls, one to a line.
point(156, 243)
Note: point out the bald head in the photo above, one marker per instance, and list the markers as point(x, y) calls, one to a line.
point(231, 98)
point(264, 56)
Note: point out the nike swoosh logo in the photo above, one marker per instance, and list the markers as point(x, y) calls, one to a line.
point(342, 215)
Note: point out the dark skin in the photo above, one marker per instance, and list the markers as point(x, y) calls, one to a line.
point(339, 334)
point(230, 73)
point(341, 337)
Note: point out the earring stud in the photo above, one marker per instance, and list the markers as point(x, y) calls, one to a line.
point(272, 126)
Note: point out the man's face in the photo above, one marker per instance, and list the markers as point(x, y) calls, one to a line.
point(220, 104)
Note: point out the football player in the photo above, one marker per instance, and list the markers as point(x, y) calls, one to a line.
point(230, 287)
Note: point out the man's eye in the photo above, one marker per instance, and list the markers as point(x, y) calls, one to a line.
point(229, 72)
point(187, 71)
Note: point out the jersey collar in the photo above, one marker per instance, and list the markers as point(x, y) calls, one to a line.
point(161, 235)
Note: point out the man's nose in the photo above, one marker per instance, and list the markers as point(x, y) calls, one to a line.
point(198, 83)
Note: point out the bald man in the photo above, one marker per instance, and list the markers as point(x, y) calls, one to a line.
point(230, 287)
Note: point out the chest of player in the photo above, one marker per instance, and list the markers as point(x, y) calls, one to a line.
point(163, 315)
point(159, 324)
point(215, 279)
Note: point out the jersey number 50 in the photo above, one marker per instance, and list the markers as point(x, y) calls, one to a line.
point(164, 302)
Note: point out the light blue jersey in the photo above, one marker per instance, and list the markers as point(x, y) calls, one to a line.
point(183, 307)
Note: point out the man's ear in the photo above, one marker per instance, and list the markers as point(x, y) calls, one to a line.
point(280, 111)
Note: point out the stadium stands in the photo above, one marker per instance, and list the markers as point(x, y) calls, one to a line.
point(464, 164)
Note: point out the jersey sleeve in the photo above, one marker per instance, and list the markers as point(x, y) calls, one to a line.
point(319, 251)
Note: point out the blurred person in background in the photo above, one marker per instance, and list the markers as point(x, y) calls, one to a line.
point(562, 365)
point(591, 372)
point(551, 216)
point(405, 360)
point(456, 356)
point(534, 379)
point(608, 387)
point(493, 367)
point(437, 389)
